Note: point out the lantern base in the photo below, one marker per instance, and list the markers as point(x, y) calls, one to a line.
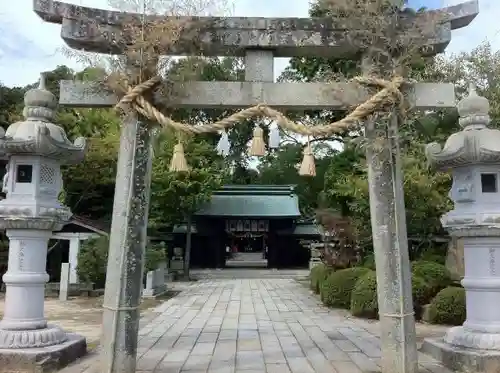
point(462, 359)
point(43, 359)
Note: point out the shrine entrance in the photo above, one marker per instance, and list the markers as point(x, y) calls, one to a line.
point(249, 226)
point(246, 242)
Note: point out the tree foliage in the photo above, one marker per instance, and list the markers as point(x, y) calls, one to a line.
point(176, 196)
point(341, 181)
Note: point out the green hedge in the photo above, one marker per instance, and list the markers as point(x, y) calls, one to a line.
point(421, 293)
point(336, 289)
point(364, 297)
point(448, 307)
point(318, 274)
point(93, 260)
point(435, 275)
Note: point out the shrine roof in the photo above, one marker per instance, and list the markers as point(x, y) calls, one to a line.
point(307, 229)
point(253, 201)
point(302, 229)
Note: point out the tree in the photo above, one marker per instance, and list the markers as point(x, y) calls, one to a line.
point(11, 105)
point(280, 168)
point(175, 197)
point(425, 197)
point(89, 186)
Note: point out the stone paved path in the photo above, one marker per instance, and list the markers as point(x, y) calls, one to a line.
point(250, 326)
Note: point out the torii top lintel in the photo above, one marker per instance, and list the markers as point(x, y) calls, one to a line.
point(90, 29)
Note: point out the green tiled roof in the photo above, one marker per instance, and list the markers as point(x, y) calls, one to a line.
point(302, 229)
point(306, 230)
point(266, 201)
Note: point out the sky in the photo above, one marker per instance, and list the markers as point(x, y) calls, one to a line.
point(29, 46)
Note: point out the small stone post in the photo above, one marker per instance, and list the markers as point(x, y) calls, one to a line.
point(30, 213)
point(473, 157)
point(74, 248)
point(64, 282)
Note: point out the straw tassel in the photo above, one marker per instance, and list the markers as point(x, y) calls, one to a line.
point(307, 167)
point(178, 162)
point(258, 147)
point(223, 146)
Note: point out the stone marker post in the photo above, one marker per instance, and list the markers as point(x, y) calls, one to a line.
point(252, 38)
point(64, 282)
point(35, 148)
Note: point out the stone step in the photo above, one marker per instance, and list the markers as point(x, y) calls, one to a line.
point(248, 273)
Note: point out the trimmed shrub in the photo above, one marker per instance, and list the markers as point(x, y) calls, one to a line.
point(93, 260)
point(318, 274)
point(364, 301)
point(421, 293)
point(435, 275)
point(336, 289)
point(448, 307)
point(369, 261)
point(364, 297)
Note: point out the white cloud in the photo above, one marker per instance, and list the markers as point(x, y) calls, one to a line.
point(28, 45)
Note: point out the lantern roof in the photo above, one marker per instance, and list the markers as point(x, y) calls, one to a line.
point(475, 144)
point(36, 134)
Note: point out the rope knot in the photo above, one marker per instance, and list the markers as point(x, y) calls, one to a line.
point(132, 94)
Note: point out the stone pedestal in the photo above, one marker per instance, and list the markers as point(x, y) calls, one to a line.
point(481, 330)
point(476, 344)
point(27, 342)
point(25, 282)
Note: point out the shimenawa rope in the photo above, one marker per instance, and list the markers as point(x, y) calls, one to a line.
point(390, 94)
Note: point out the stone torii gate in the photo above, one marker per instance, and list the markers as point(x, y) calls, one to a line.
point(259, 41)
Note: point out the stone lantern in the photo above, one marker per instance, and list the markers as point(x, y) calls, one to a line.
point(35, 149)
point(473, 157)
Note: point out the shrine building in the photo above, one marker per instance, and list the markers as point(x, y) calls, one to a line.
point(261, 219)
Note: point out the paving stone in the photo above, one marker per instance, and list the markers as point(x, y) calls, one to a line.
point(363, 362)
point(169, 367)
point(203, 348)
point(277, 368)
point(257, 325)
point(300, 365)
point(208, 337)
point(197, 363)
point(249, 345)
point(247, 360)
point(346, 367)
point(228, 334)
